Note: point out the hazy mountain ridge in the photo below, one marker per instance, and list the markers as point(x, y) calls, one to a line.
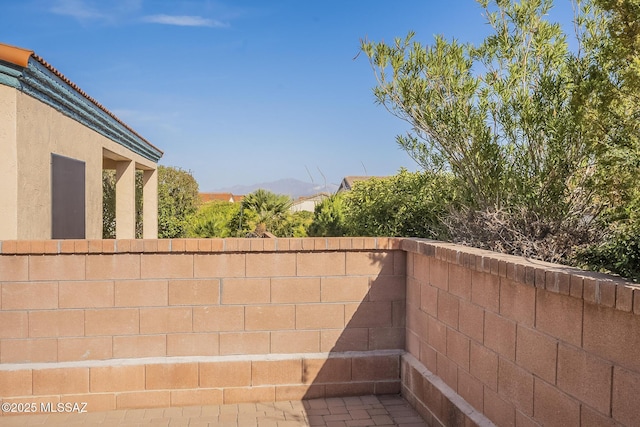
point(289, 186)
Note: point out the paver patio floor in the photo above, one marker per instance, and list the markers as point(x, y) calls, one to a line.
point(388, 410)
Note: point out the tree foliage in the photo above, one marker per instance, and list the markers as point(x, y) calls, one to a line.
point(178, 200)
point(261, 211)
point(406, 204)
point(328, 218)
point(213, 219)
point(512, 120)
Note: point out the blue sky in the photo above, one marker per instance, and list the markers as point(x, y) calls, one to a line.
point(241, 91)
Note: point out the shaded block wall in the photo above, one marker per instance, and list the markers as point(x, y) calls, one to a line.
point(157, 323)
point(519, 342)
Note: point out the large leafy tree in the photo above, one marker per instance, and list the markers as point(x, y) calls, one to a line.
point(512, 120)
point(178, 200)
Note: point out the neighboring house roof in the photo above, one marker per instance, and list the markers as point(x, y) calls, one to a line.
point(308, 203)
point(223, 197)
point(348, 181)
point(24, 70)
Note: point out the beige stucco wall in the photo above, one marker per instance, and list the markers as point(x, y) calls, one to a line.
point(40, 131)
point(8, 164)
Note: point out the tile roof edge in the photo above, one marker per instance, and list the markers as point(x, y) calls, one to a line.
point(20, 57)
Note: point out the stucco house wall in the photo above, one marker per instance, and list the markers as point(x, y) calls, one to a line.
point(42, 113)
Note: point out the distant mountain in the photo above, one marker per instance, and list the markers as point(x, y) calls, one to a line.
point(290, 186)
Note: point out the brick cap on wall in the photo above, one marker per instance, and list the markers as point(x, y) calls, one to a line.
point(592, 287)
point(228, 245)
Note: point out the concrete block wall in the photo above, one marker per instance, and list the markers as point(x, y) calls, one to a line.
point(158, 323)
point(514, 342)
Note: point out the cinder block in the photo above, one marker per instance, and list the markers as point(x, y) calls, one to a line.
point(324, 371)
point(57, 267)
point(29, 296)
point(60, 381)
point(373, 368)
point(163, 320)
point(458, 348)
point(166, 266)
point(219, 265)
point(515, 385)
point(429, 299)
point(117, 321)
point(375, 263)
point(349, 339)
point(471, 321)
point(269, 317)
point(14, 324)
point(28, 350)
point(321, 264)
point(272, 372)
point(483, 364)
point(295, 289)
point(626, 396)
point(171, 376)
point(139, 346)
point(84, 348)
point(194, 292)
point(349, 288)
point(585, 377)
point(428, 356)
point(386, 338)
point(485, 290)
point(537, 353)
point(448, 308)
point(244, 343)
point(141, 293)
point(460, 281)
point(14, 268)
point(113, 267)
point(499, 411)
point(552, 407)
point(83, 294)
point(439, 274)
point(16, 383)
point(193, 344)
point(592, 418)
point(320, 316)
point(116, 378)
point(437, 337)
point(387, 288)
point(350, 389)
point(447, 370)
point(421, 267)
point(218, 318)
point(613, 335)
point(275, 264)
point(56, 323)
point(500, 335)
point(368, 314)
point(246, 291)
point(471, 390)
point(517, 302)
point(225, 374)
point(295, 341)
point(143, 399)
point(559, 316)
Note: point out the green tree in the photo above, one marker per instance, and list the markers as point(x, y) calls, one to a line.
point(328, 218)
point(213, 219)
point(178, 200)
point(294, 224)
point(512, 120)
point(406, 204)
